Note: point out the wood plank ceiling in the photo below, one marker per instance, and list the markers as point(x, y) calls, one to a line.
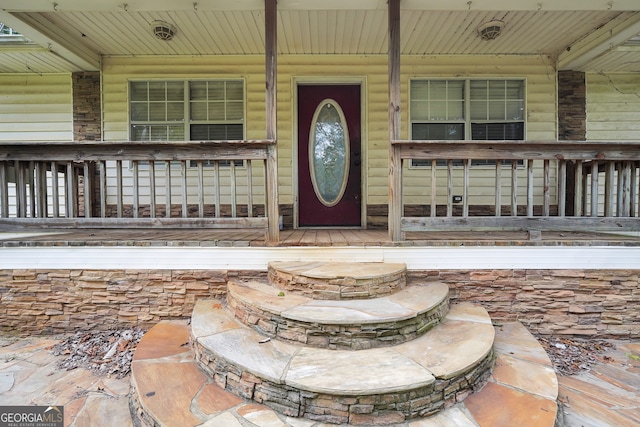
point(124, 32)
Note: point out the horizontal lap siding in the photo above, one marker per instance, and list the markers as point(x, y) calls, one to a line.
point(540, 125)
point(373, 70)
point(613, 107)
point(36, 108)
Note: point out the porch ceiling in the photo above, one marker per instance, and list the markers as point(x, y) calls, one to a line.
point(73, 35)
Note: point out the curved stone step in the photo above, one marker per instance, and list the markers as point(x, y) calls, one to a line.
point(169, 390)
point(338, 280)
point(416, 378)
point(339, 324)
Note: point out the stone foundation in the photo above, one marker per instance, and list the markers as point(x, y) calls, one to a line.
point(356, 410)
point(596, 303)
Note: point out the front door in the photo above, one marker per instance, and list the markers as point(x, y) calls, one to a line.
point(329, 160)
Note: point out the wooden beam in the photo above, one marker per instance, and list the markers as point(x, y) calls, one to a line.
point(271, 71)
point(395, 162)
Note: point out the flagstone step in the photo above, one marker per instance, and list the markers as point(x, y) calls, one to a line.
point(338, 280)
point(416, 378)
point(169, 390)
point(339, 324)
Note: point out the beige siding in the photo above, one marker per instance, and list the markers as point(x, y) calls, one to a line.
point(613, 107)
point(371, 70)
point(36, 108)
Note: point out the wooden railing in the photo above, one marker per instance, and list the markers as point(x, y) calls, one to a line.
point(214, 184)
point(534, 186)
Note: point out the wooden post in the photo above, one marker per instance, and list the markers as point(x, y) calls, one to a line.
point(271, 61)
point(395, 163)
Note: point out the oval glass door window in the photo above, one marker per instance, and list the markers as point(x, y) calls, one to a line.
point(329, 152)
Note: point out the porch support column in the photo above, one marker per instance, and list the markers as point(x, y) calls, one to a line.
point(271, 62)
point(395, 164)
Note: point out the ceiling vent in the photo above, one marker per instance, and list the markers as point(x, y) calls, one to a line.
point(163, 30)
point(490, 30)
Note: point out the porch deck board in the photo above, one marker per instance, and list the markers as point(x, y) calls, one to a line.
point(301, 237)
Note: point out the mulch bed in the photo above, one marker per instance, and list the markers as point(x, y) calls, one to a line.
point(571, 356)
point(106, 353)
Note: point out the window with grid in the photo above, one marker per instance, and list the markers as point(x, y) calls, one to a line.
point(472, 109)
point(199, 110)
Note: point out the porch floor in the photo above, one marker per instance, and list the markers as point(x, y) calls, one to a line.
point(301, 237)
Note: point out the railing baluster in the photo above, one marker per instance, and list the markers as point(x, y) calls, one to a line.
point(87, 181)
point(579, 190)
point(626, 189)
point(465, 190)
point(4, 190)
point(136, 188)
point(152, 188)
point(434, 188)
point(450, 188)
point(21, 191)
point(119, 190)
point(71, 192)
point(562, 188)
point(31, 188)
point(249, 189)
point(498, 188)
point(595, 172)
point(41, 178)
point(200, 190)
point(514, 188)
point(103, 188)
point(620, 193)
point(546, 209)
point(55, 190)
point(232, 175)
point(530, 188)
point(183, 188)
point(167, 188)
point(609, 190)
point(633, 186)
point(216, 186)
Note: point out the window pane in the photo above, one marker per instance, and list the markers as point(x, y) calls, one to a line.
point(139, 111)
point(478, 90)
point(438, 89)
point(198, 91)
point(158, 133)
point(479, 110)
point(515, 89)
point(199, 111)
point(497, 89)
point(175, 111)
point(456, 89)
point(157, 91)
point(438, 131)
point(234, 91)
point(157, 112)
point(235, 111)
point(176, 133)
point(140, 133)
point(175, 91)
point(515, 110)
point(216, 132)
point(497, 131)
point(497, 110)
point(216, 91)
point(438, 110)
point(455, 110)
point(216, 111)
point(419, 110)
point(419, 90)
point(138, 91)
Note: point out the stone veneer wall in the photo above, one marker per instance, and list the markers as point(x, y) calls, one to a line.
point(599, 303)
point(87, 111)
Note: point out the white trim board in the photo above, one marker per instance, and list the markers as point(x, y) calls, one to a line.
point(422, 258)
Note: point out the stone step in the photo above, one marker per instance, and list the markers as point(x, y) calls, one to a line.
point(339, 324)
point(169, 390)
point(338, 280)
point(416, 378)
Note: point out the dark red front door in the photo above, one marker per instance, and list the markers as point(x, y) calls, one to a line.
point(329, 159)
